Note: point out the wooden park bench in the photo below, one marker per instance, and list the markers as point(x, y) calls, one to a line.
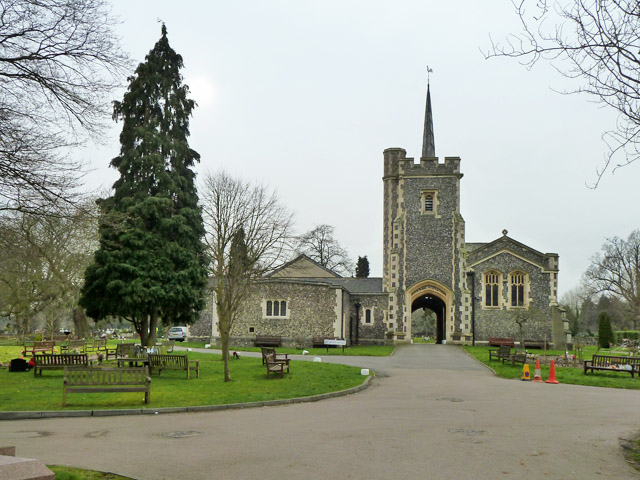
point(268, 350)
point(318, 342)
point(540, 344)
point(78, 345)
point(276, 366)
point(172, 362)
point(519, 356)
point(167, 345)
point(500, 341)
point(56, 361)
point(613, 364)
point(268, 341)
point(44, 346)
point(121, 350)
point(106, 380)
point(502, 352)
point(99, 345)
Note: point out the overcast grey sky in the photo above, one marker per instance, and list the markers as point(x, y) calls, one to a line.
point(304, 96)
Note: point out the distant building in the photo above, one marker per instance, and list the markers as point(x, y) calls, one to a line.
point(476, 290)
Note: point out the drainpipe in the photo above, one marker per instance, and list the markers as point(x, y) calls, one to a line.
point(357, 305)
point(472, 277)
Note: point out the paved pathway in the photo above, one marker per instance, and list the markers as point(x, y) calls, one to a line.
point(433, 413)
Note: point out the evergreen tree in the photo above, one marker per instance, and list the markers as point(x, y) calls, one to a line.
point(605, 332)
point(150, 264)
point(362, 268)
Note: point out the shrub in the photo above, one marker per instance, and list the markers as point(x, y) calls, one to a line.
point(630, 334)
point(605, 332)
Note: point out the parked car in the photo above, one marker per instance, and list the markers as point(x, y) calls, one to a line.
point(177, 333)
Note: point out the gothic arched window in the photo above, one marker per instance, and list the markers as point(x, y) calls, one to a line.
point(517, 282)
point(492, 289)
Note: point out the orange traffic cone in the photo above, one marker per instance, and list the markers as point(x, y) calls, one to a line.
point(552, 373)
point(536, 376)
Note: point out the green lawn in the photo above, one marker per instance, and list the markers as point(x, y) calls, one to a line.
point(21, 391)
point(359, 350)
point(574, 376)
point(70, 473)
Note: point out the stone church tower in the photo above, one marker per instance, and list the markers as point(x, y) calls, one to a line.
point(424, 239)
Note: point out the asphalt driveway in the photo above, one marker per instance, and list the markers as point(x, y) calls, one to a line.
point(433, 412)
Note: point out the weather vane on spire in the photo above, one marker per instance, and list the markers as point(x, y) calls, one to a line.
point(429, 70)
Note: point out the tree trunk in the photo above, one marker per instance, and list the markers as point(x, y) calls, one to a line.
point(144, 329)
point(80, 323)
point(224, 340)
point(223, 325)
point(153, 324)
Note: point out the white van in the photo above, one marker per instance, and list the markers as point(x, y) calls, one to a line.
point(177, 333)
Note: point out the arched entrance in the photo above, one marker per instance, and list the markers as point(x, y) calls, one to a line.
point(432, 296)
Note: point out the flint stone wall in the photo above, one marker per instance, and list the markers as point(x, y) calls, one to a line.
point(493, 322)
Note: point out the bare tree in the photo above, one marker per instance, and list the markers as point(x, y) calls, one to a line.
point(595, 41)
point(58, 61)
point(320, 245)
point(616, 271)
point(246, 236)
point(43, 260)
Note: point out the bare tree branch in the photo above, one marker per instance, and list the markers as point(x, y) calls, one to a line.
point(59, 59)
point(320, 245)
point(616, 271)
point(230, 206)
point(596, 42)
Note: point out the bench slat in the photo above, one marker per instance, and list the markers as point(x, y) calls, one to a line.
point(607, 363)
point(173, 362)
point(106, 380)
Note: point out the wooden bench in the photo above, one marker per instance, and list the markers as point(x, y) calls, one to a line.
point(612, 364)
point(502, 352)
point(106, 380)
point(44, 346)
point(172, 362)
point(55, 361)
point(318, 342)
point(167, 345)
point(268, 341)
point(71, 345)
point(121, 350)
point(99, 345)
point(499, 341)
point(276, 366)
point(540, 344)
point(268, 350)
point(519, 356)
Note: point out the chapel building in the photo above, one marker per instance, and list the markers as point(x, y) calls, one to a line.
point(476, 290)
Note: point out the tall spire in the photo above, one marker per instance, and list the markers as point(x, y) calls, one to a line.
point(428, 141)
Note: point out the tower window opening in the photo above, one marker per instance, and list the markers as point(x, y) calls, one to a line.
point(428, 203)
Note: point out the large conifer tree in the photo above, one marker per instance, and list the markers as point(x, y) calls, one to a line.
point(150, 264)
